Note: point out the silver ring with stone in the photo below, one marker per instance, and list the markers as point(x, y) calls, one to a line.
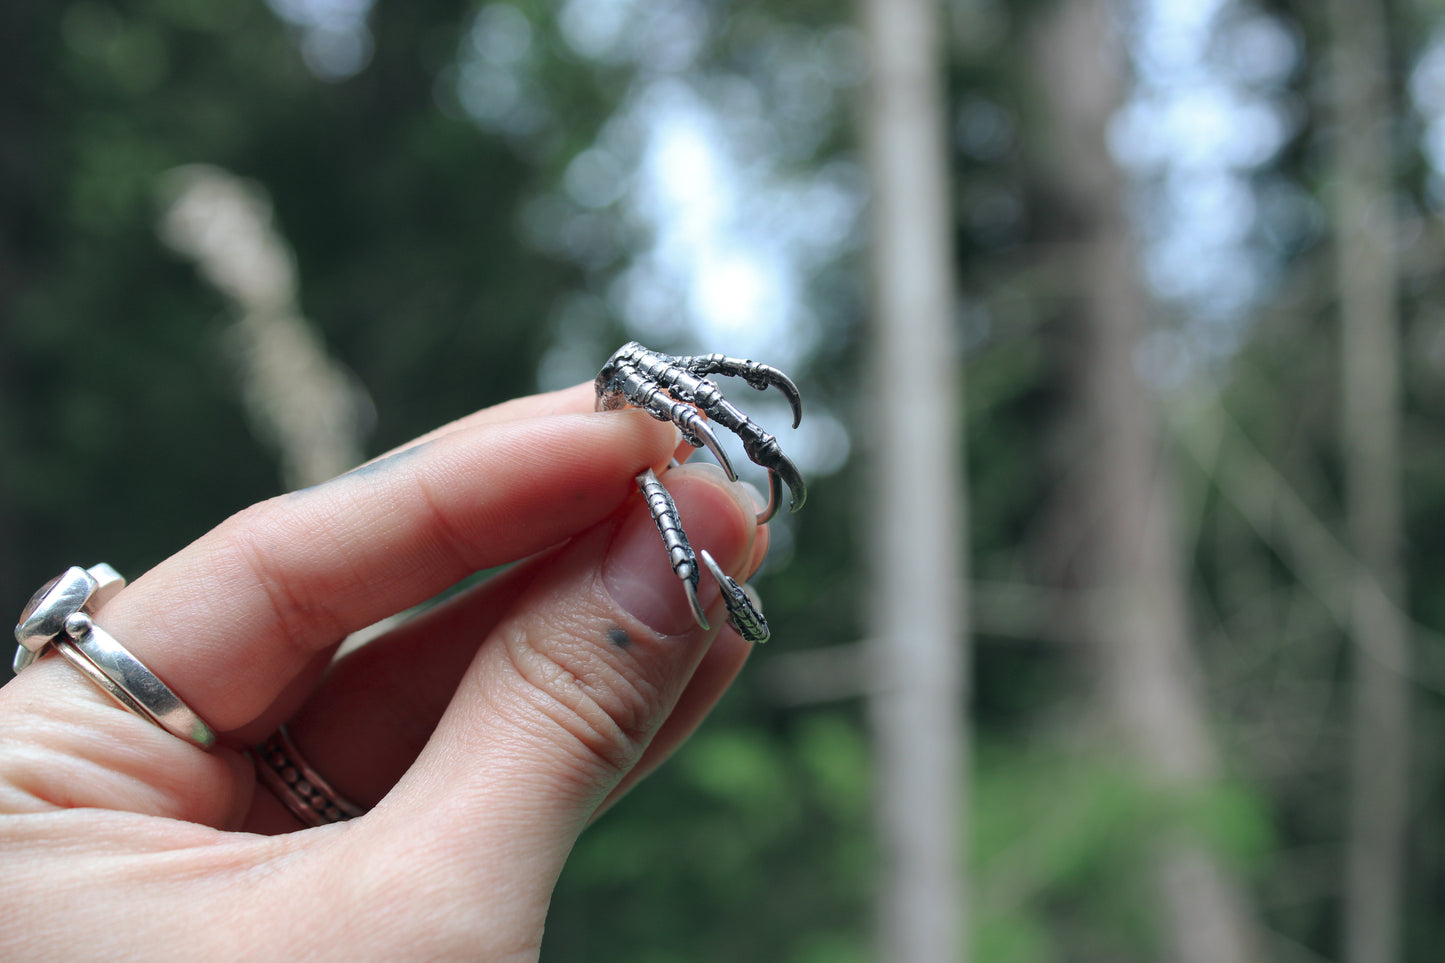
point(59, 616)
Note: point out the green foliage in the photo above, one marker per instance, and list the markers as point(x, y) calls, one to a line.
point(748, 845)
point(1065, 850)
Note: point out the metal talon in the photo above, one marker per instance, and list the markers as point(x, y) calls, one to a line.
point(676, 389)
point(706, 438)
point(744, 615)
point(696, 605)
point(757, 375)
point(679, 551)
point(786, 473)
point(775, 498)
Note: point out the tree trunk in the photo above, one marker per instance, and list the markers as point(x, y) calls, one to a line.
point(917, 613)
point(1370, 423)
point(1122, 548)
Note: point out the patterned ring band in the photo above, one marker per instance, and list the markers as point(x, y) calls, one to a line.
point(59, 617)
point(309, 797)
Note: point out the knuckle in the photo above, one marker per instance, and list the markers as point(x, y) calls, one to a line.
point(459, 547)
point(594, 695)
point(301, 620)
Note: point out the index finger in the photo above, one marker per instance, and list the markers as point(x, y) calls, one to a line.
point(577, 399)
point(230, 620)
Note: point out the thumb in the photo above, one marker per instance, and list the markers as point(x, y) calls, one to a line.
point(563, 698)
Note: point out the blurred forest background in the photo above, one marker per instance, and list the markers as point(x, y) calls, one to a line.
point(1188, 639)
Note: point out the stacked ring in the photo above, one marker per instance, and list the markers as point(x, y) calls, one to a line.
point(309, 797)
point(60, 616)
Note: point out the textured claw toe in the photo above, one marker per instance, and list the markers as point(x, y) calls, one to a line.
point(757, 375)
point(676, 389)
point(669, 526)
point(743, 613)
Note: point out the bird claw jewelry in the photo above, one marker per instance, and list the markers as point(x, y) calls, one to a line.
point(676, 389)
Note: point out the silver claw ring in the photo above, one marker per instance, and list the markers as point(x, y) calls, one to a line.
point(744, 613)
point(676, 389)
point(59, 616)
point(309, 797)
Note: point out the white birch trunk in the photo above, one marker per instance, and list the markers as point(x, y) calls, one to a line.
point(917, 613)
point(1366, 262)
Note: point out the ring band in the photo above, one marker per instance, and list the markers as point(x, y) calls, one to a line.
point(58, 617)
point(309, 797)
point(111, 666)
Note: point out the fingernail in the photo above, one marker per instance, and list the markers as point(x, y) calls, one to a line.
point(638, 573)
point(755, 496)
point(640, 579)
point(745, 494)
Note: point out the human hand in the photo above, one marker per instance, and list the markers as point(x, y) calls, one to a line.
point(485, 732)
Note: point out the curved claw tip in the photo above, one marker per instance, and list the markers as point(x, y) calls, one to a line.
point(745, 611)
point(696, 605)
point(797, 492)
point(775, 498)
point(765, 376)
point(713, 566)
point(710, 441)
point(794, 396)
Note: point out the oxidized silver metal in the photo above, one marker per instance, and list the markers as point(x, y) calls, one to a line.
point(139, 689)
point(309, 797)
point(59, 616)
point(675, 389)
point(74, 590)
point(744, 614)
point(669, 526)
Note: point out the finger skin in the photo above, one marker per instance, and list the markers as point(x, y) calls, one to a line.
point(240, 622)
point(714, 674)
point(376, 707)
point(294, 575)
point(558, 706)
point(575, 400)
point(561, 702)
